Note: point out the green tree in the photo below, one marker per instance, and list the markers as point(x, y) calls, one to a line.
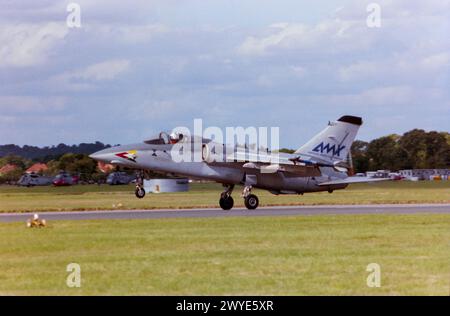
point(66, 161)
point(384, 153)
point(414, 145)
point(78, 164)
point(359, 156)
point(53, 168)
point(286, 150)
point(437, 150)
point(85, 166)
point(14, 160)
point(12, 176)
point(425, 150)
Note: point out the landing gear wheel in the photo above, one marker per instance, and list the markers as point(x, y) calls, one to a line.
point(140, 193)
point(251, 202)
point(226, 203)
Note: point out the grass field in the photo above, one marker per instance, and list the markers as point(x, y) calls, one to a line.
point(92, 197)
point(316, 255)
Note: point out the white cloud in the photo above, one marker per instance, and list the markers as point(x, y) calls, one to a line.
point(29, 44)
point(106, 70)
point(84, 79)
point(130, 34)
point(386, 96)
point(437, 61)
point(337, 35)
point(299, 71)
point(7, 119)
point(383, 96)
point(283, 35)
point(410, 65)
point(359, 70)
point(160, 109)
point(31, 104)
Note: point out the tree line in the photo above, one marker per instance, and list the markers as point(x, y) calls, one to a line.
point(76, 164)
point(416, 149)
point(47, 153)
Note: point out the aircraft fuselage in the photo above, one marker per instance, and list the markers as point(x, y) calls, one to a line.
point(158, 158)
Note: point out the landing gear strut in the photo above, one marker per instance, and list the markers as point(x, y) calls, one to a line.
point(226, 202)
point(140, 192)
point(251, 201)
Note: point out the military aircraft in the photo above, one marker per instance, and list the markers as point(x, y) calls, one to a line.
point(319, 165)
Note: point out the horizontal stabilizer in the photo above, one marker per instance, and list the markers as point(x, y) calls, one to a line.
point(354, 180)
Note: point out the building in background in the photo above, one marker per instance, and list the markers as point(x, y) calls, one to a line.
point(7, 169)
point(105, 167)
point(37, 168)
point(426, 174)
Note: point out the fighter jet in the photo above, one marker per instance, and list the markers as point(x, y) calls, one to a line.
point(319, 165)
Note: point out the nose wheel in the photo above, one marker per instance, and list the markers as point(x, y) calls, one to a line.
point(140, 192)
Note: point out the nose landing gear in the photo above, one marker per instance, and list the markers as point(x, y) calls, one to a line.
point(140, 192)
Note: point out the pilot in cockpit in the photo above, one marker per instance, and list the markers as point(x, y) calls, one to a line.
point(175, 138)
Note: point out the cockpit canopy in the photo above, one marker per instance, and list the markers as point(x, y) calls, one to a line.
point(164, 138)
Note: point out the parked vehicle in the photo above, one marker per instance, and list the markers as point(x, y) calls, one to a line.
point(75, 179)
point(33, 179)
point(65, 179)
point(395, 176)
point(116, 178)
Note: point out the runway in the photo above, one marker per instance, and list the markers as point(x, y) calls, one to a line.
point(238, 212)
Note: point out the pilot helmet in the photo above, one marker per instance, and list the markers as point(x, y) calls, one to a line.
point(173, 136)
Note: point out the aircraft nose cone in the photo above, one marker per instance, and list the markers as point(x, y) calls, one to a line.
point(102, 155)
point(95, 155)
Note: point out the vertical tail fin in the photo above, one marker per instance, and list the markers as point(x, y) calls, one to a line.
point(334, 142)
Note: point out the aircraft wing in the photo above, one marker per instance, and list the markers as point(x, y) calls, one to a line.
point(350, 180)
point(301, 171)
point(270, 163)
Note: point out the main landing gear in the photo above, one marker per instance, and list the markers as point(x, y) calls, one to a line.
point(251, 201)
point(226, 201)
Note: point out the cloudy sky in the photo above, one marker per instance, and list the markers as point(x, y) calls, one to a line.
point(137, 67)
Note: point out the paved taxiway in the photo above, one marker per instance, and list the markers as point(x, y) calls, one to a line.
point(263, 211)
